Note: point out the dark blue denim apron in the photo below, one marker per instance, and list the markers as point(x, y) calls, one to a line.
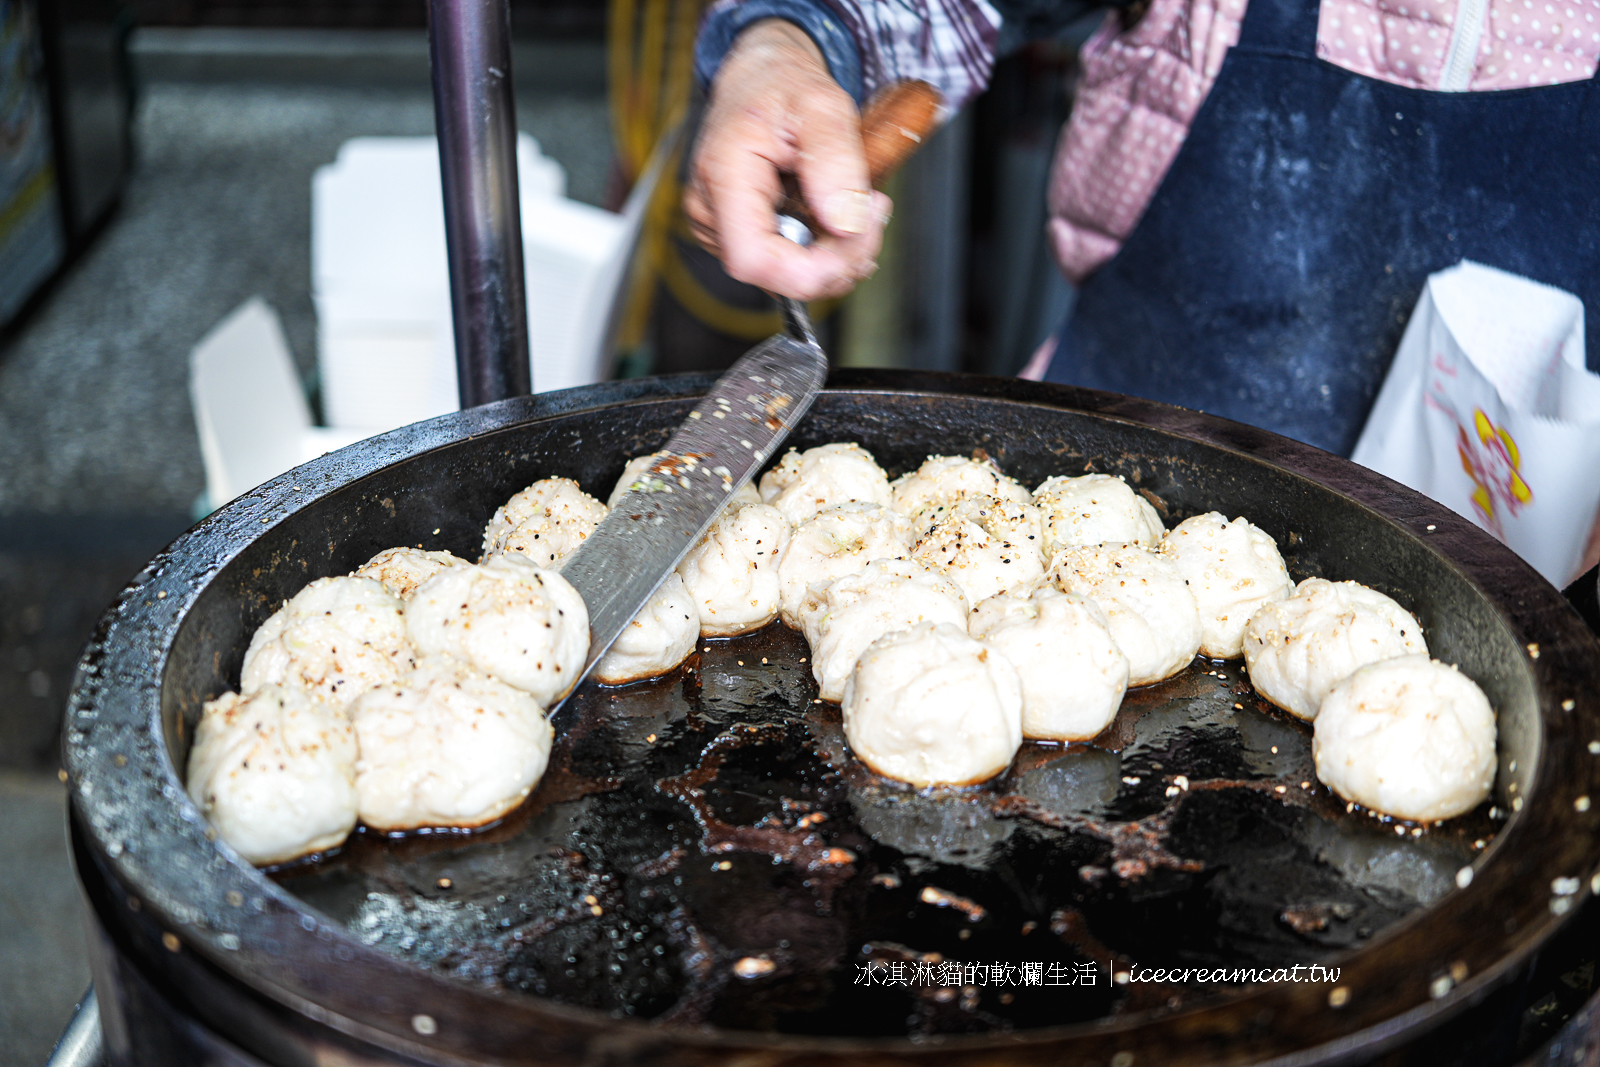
point(1273, 273)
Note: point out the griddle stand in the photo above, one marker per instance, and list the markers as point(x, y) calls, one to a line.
point(474, 110)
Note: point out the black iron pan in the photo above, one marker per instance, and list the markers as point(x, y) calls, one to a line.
point(676, 838)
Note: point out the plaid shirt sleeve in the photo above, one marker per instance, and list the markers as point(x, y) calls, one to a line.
point(869, 43)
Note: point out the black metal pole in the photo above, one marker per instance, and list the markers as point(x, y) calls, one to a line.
point(475, 112)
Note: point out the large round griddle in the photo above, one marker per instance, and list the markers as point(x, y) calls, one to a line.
point(654, 788)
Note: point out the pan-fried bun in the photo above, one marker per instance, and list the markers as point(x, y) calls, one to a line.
point(446, 746)
point(932, 706)
point(1297, 650)
point(1408, 737)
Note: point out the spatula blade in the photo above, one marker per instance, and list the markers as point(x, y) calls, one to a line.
point(729, 435)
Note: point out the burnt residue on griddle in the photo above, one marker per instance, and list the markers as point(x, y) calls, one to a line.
point(704, 851)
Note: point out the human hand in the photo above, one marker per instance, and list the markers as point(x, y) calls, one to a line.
point(775, 109)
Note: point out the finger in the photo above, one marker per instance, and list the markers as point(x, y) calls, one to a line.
point(702, 224)
point(733, 218)
point(780, 266)
point(738, 172)
point(831, 162)
point(857, 254)
point(830, 267)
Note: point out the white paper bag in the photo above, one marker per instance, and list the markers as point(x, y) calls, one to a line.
point(1489, 410)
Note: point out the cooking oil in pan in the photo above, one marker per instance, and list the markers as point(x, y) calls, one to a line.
point(704, 850)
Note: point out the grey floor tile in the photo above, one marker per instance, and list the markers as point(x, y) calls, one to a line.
point(43, 964)
point(57, 575)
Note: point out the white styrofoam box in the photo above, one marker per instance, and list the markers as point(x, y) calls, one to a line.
point(386, 345)
point(378, 216)
point(569, 253)
point(249, 409)
point(385, 374)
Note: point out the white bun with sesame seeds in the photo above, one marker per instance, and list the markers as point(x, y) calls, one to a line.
point(1094, 509)
point(1073, 675)
point(275, 773)
point(842, 618)
point(1232, 568)
point(984, 545)
point(335, 639)
point(732, 573)
point(1296, 650)
point(1150, 611)
point(836, 542)
point(402, 569)
point(947, 479)
point(805, 483)
point(446, 745)
point(931, 706)
point(545, 522)
point(523, 624)
point(657, 639)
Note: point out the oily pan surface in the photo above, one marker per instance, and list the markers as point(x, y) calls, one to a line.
point(676, 833)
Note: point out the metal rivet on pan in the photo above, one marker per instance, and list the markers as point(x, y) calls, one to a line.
point(1338, 997)
point(1568, 705)
point(1431, 526)
point(171, 942)
point(1464, 877)
point(1122, 1059)
point(1458, 971)
point(1533, 649)
point(424, 1024)
point(1581, 804)
point(1440, 986)
point(235, 898)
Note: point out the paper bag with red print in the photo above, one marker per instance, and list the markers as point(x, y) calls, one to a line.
point(1489, 410)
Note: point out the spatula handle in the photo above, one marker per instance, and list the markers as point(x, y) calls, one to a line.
point(893, 125)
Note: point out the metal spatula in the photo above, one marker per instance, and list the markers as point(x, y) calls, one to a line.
point(735, 429)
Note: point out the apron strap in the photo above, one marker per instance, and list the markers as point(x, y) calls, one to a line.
point(1283, 26)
